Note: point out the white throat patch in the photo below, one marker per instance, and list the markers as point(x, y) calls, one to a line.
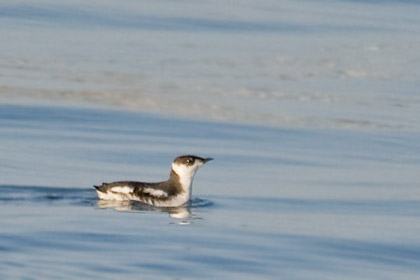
point(186, 175)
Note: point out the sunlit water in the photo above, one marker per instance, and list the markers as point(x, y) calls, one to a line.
point(326, 63)
point(325, 186)
point(274, 204)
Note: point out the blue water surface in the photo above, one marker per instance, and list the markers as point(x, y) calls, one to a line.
point(326, 186)
point(274, 204)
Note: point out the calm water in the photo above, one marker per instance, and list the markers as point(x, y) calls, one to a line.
point(274, 204)
point(317, 179)
point(325, 63)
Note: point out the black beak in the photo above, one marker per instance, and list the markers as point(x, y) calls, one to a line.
point(207, 159)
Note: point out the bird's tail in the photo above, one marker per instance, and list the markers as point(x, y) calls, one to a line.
point(98, 188)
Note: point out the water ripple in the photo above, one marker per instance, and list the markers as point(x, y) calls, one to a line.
point(87, 197)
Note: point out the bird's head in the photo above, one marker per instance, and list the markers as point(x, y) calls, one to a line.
point(187, 166)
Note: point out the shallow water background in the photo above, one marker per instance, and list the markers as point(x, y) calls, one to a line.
point(274, 204)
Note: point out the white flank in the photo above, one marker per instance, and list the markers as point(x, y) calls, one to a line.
point(117, 193)
point(113, 196)
point(156, 193)
point(125, 189)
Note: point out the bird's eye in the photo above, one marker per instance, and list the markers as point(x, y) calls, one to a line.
point(190, 161)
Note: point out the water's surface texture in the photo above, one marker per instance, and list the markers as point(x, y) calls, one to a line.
point(274, 204)
point(325, 63)
point(317, 154)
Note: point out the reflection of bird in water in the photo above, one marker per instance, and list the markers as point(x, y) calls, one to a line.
point(176, 191)
point(180, 212)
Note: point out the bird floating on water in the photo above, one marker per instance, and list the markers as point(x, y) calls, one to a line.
point(174, 192)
